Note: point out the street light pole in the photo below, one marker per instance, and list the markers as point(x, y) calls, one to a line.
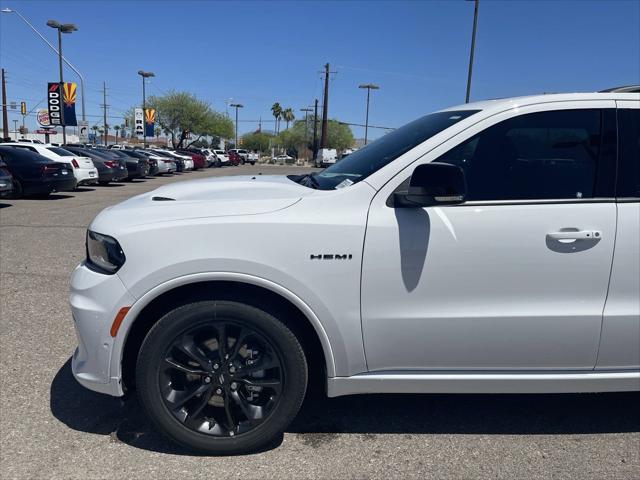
point(237, 106)
point(9, 10)
point(62, 28)
point(369, 87)
point(144, 75)
point(473, 47)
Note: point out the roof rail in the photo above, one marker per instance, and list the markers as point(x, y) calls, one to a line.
point(624, 89)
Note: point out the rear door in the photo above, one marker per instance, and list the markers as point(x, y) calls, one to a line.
point(515, 278)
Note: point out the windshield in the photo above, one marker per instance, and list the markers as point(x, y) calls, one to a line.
point(360, 164)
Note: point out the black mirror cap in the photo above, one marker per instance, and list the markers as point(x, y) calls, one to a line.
point(433, 184)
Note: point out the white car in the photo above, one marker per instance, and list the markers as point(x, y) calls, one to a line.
point(490, 247)
point(84, 171)
point(187, 160)
point(222, 157)
point(165, 164)
point(283, 159)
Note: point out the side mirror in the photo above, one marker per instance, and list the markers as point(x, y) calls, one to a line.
point(433, 184)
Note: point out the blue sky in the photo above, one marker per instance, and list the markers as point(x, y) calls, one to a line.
point(261, 52)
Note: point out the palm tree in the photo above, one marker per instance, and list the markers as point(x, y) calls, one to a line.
point(288, 116)
point(95, 132)
point(116, 128)
point(276, 111)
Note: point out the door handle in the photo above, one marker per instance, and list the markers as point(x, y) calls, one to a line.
point(576, 235)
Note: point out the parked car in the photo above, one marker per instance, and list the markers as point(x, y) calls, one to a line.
point(149, 157)
point(176, 162)
point(199, 160)
point(252, 157)
point(470, 251)
point(234, 158)
point(209, 158)
point(6, 180)
point(244, 155)
point(137, 167)
point(283, 159)
point(109, 170)
point(326, 157)
point(84, 171)
point(222, 159)
point(34, 174)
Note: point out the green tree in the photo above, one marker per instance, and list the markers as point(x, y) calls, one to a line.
point(339, 135)
point(182, 114)
point(259, 141)
point(288, 116)
point(276, 111)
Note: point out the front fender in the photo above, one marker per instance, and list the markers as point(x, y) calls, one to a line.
point(330, 346)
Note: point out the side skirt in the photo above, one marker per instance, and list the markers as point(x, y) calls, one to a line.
point(403, 382)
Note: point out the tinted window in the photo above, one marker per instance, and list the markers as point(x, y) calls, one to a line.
point(629, 153)
point(60, 151)
point(546, 155)
point(362, 163)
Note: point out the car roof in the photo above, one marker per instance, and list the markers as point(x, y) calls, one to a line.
point(513, 102)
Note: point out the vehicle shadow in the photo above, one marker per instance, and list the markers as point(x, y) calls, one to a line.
point(83, 189)
point(5, 205)
point(111, 184)
point(320, 418)
point(51, 196)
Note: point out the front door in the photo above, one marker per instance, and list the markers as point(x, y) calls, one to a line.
point(515, 278)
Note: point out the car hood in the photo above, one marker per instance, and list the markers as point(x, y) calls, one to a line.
point(204, 198)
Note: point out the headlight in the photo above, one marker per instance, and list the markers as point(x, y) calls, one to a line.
point(104, 253)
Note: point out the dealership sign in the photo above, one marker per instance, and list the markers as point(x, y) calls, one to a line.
point(54, 104)
point(149, 120)
point(138, 128)
point(46, 132)
point(61, 103)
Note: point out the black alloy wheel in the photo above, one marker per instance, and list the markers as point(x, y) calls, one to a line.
point(221, 377)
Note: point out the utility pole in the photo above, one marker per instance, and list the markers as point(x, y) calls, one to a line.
point(15, 130)
point(104, 111)
point(325, 107)
point(315, 130)
point(473, 47)
point(369, 87)
point(5, 119)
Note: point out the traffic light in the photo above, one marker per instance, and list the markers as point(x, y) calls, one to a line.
point(23, 108)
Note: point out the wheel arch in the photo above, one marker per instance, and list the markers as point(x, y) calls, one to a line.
point(255, 291)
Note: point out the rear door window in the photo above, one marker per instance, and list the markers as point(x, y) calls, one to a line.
point(629, 153)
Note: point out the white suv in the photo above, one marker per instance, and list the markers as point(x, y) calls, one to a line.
point(489, 247)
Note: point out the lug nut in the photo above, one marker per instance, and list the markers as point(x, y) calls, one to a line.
point(234, 385)
point(207, 380)
point(232, 369)
point(216, 366)
point(219, 391)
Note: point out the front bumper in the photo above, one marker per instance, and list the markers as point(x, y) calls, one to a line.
point(95, 300)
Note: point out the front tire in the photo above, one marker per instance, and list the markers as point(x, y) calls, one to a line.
point(221, 377)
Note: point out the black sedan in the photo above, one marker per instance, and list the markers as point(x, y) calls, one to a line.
point(109, 169)
point(34, 174)
point(138, 167)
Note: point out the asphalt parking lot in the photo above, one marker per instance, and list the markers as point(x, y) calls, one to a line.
point(50, 427)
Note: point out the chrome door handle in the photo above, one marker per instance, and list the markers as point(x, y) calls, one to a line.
point(575, 235)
